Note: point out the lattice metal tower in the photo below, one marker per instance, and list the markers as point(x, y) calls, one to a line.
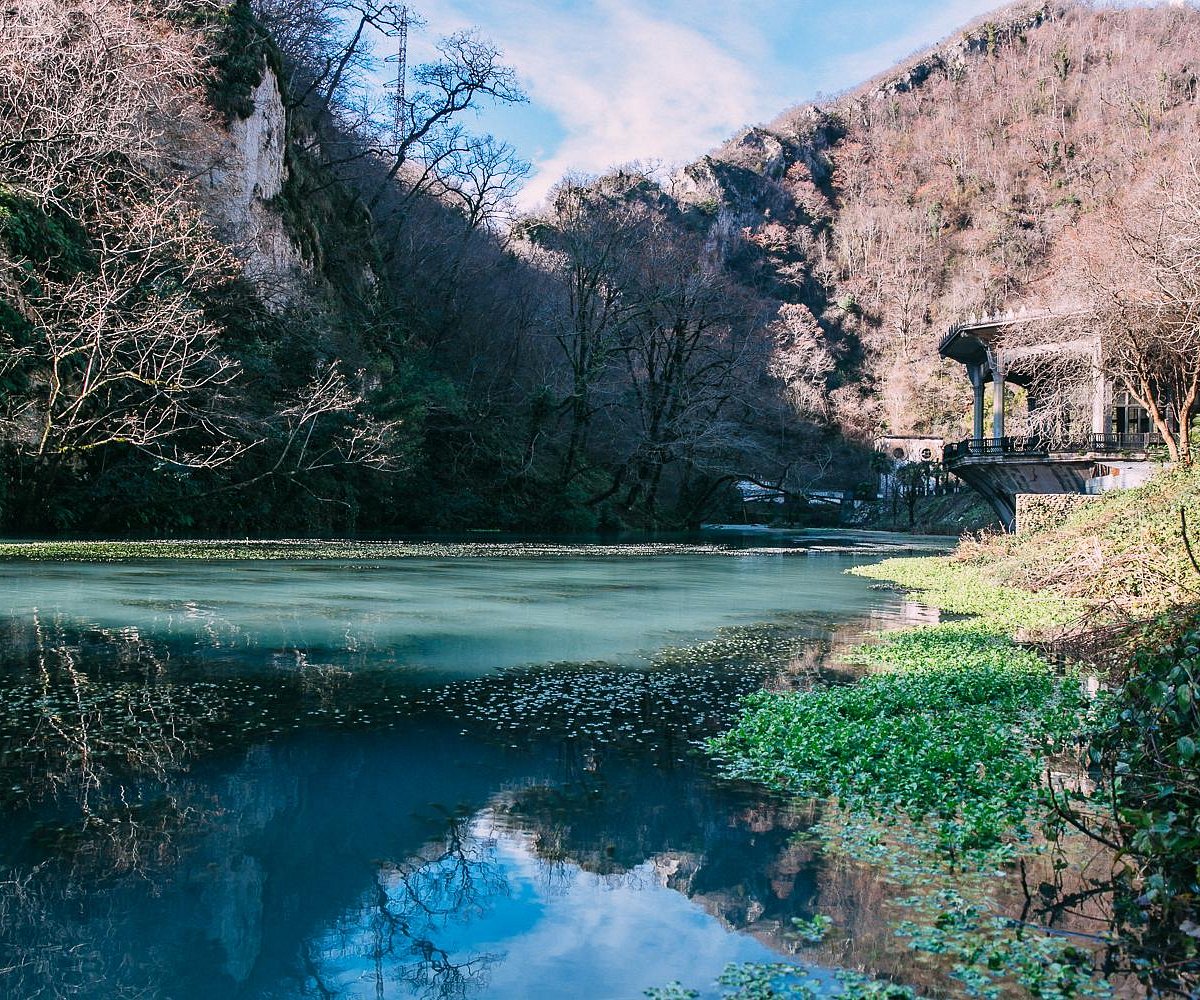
point(401, 71)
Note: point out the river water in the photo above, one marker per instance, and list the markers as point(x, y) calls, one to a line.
point(451, 777)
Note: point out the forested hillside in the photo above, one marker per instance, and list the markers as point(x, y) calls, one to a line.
point(244, 291)
point(989, 174)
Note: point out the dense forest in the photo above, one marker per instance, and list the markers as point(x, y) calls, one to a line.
point(243, 291)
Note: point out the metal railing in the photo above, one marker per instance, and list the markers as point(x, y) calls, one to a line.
point(948, 336)
point(1126, 442)
point(1034, 445)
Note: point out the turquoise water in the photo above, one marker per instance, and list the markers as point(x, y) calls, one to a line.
point(449, 618)
point(410, 778)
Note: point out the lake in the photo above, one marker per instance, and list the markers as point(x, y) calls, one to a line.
point(420, 777)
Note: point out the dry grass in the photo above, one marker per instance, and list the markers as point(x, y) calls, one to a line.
point(1127, 555)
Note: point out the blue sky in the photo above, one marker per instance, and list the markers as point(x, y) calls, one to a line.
point(612, 81)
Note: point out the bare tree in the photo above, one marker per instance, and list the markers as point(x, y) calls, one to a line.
point(686, 348)
point(89, 92)
point(802, 360)
point(482, 180)
point(111, 271)
point(414, 135)
point(590, 239)
point(323, 427)
point(424, 126)
point(1144, 278)
point(122, 353)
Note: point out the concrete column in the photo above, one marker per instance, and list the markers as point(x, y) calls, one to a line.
point(997, 405)
point(977, 384)
point(1100, 412)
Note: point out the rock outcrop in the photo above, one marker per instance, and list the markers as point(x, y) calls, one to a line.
point(954, 56)
point(250, 171)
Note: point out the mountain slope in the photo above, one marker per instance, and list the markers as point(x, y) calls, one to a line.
point(959, 182)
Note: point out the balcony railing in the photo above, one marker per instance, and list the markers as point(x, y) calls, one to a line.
point(948, 336)
point(1033, 445)
point(1126, 442)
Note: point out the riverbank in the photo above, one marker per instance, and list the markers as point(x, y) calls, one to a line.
point(1127, 552)
point(947, 514)
point(964, 758)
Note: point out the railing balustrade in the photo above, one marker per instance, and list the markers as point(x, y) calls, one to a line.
point(1035, 445)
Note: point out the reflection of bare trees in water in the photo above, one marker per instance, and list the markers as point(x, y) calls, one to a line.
point(89, 722)
point(94, 743)
point(398, 921)
point(78, 727)
point(47, 952)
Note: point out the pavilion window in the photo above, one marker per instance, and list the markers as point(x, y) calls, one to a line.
point(1130, 416)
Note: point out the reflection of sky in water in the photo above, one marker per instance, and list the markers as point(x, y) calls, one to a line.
point(462, 616)
point(534, 927)
point(282, 880)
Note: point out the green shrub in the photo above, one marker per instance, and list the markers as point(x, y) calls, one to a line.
point(241, 49)
point(45, 237)
point(1148, 807)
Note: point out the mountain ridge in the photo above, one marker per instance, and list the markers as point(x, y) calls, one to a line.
point(828, 172)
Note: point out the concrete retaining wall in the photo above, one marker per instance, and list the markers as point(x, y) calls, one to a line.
point(1039, 511)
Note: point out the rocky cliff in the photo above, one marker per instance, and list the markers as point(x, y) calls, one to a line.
point(955, 183)
point(241, 185)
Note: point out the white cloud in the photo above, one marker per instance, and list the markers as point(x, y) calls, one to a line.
point(667, 81)
point(623, 83)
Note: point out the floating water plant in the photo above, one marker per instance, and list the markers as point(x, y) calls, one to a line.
point(954, 729)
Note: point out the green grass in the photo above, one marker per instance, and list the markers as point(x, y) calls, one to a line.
point(1127, 552)
point(961, 589)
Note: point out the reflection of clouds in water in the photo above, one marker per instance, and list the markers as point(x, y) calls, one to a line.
point(482, 913)
point(618, 933)
point(404, 936)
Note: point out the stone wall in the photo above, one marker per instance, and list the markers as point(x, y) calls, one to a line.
point(1039, 511)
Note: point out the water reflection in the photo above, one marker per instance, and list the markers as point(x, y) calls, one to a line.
point(195, 807)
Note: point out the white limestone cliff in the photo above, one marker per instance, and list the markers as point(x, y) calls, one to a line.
point(250, 170)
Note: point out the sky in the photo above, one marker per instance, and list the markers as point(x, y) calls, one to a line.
point(615, 81)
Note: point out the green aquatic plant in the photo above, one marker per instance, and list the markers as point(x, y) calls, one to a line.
point(307, 548)
point(777, 980)
point(292, 548)
point(937, 758)
point(1145, 806)
point(989, 953)
point(954, 730)
point(813, 930)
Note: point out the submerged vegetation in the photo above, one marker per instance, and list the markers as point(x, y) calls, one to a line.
point(286, 549)
point(292, 548)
